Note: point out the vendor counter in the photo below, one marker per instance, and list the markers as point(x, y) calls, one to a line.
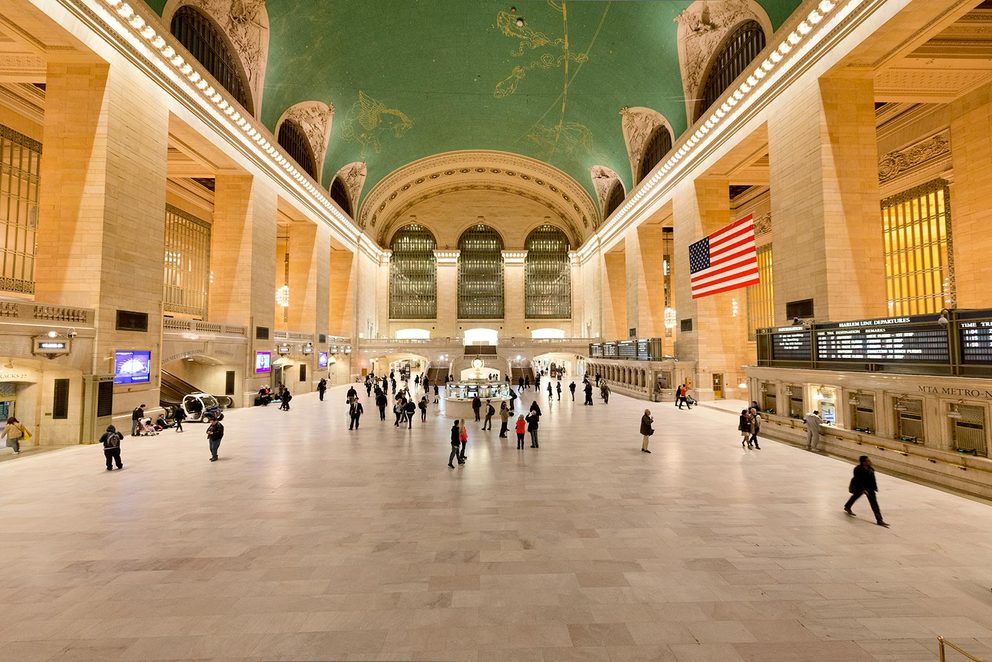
point(459, 395)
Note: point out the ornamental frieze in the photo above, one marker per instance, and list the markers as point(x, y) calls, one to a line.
point(898, 162)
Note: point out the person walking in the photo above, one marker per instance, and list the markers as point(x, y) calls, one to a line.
point(571, 387)
point(513, 400)
point(215, 433)
point(813, 423)
point(533, 422)
point(520, 383)
point(423, 409)
point(521, 429)
point(647, 429)
point(680, 395)
point(381, 401)
point(463, 440)
point(321, 387)
point(410, 409)
point(179, 415)
point(550, 392)
point(285, 397)
point(558, 389)
point(14, 432)
point(588, 391)
point(490, 412)
point(455, 443)
point(368, 387)
point(527, 383)
point(744, 426)
point(504, 417)
point(476, 406)
point(355, 411)
point(437, 397)
point(863, 483)
point(136, 416)
point(111, 441)
point(604, 391)
point(755, 420)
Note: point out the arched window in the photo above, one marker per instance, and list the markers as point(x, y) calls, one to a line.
point(548, 274)
point(413, 274)
point(480, 274)
point(738, 51)
point(294, 140)
point(658, 144)
point(614, 199)
point(207, 44)
point(339, 194)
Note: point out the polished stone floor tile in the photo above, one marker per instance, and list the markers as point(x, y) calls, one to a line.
point(311, 542)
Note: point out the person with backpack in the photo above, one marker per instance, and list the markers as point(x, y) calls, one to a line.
point(490, 411)
point(423, 409)
point(111, 441)
point(215, 432)
point(179, 415)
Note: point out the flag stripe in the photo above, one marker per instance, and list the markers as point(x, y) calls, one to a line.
point(753, 280)
point(744, 230)
point(726, 274)
point(725, 260)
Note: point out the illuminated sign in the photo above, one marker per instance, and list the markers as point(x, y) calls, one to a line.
point(263, 362)
point(322, 360)
point(132, 366)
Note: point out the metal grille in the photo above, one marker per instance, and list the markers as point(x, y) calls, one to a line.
point(187, 263)
point(916, 231)
point(204, 40)
point(738, 51)
point(615, 198)
point(658, 144)
point(480, 274)
point(413, 274)
point(20, 174)
point(548, 274)
point(294, 140)
point(968, 432)
point(339, 194)
point(761, 297)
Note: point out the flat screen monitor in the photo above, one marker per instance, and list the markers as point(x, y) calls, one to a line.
point(132, 366)
point(322, 360)
point(263, 362)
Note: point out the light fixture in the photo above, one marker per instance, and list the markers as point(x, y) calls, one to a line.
point(954, 413)
point(53, 334)
point(282, 296)
point(945, 317)
point(670, 318)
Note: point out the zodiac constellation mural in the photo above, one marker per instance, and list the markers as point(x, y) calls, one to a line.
point(369, 119)
point(547, 53)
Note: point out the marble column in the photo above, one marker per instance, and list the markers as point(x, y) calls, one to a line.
point(514, 294)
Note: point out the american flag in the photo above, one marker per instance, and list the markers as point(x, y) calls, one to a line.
point(725, 260)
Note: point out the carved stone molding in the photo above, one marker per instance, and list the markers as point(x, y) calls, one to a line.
point(899, 162)
point(638, 123)
point(246, 24)
point(762, 224)
point(602, 181)
point(556, 189)
point(315, 118)
point(702, 28)
point(353, 175)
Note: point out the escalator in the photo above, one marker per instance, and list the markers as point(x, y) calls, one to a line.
point(173, 389)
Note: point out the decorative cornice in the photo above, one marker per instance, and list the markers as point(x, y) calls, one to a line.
point(514, 258)
point(899, 162)
point(446, 258)
point(139, 35)
point(763, 224)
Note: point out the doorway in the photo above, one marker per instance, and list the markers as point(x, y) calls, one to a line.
point(718, 386)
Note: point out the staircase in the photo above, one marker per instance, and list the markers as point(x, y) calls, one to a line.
point(174, 389)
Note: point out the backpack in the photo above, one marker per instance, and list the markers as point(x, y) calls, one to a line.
point(111, 439)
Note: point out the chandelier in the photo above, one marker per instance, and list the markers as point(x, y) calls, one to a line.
point(282, 296)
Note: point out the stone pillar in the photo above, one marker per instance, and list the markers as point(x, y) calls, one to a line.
point(341, 293)
point(717, 342)
point(447, 293)
point(823, 170)
point(578, 297)
point(514, 299)
point(614, 301)
point(970, 213)
point(309, 269)
point(101, 224)
point(645, 280)
point(243, 263)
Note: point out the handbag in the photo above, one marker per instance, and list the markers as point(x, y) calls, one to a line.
point(852, 488)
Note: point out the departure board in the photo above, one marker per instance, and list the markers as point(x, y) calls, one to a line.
point(883, 341)
point(627, 349)
point(610, 350)
point(976, 341)
point(791, 344)
point(596, 351)
point(643, 350)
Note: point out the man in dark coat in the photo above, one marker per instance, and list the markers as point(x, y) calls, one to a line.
point(381, 401)
point(863, 482)
point(321, 387)
point(355, 411)
point(476, 406)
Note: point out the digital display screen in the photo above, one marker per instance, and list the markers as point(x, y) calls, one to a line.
point(322, 360)
point(913, 343)
point(643, 350)
point(263, 362)
point(792, 346)
point(976, 341)
point(132, 367)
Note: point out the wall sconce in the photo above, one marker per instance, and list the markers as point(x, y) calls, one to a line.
point(282, 296)
point(670, 318)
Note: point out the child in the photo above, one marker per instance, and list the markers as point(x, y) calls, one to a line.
point(521, 430)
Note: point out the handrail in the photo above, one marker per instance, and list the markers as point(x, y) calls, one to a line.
point(941, 643)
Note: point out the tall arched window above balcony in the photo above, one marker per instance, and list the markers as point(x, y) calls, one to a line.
point(294, 140)
point(548, 274)
point(207, 43)
point(339, 194)
point(614, 199)
point(413, 274)
point(658, 144)
point(737, 52)
point(480, 274)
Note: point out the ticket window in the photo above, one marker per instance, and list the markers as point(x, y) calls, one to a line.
point(825, 401)
point(768, 398)
point(862, 408)
point(909, 420)
point(797, 403)
point(968, 429)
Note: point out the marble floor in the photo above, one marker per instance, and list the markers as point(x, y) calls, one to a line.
point(310, 542)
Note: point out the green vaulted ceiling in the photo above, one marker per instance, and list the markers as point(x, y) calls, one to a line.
point(411, 78)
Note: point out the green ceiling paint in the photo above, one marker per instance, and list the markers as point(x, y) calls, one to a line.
point(411, 78)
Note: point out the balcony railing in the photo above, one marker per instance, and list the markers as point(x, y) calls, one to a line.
point(199, 326)
point(28, 311)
